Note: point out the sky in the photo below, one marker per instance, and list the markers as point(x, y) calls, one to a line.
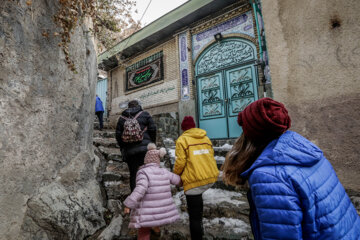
point(156, 9)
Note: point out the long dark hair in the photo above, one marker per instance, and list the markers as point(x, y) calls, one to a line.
point(240, 158)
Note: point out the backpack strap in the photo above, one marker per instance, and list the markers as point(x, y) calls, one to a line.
point(137, 115)
point(123, 117)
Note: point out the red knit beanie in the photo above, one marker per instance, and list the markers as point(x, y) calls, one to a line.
point(187, 123)
point(264, 119)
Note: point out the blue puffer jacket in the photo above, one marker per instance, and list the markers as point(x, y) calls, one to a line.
point(295, 194)
point(98, 105)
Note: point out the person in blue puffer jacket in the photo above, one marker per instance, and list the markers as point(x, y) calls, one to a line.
point(99, 111)
point(294, 192)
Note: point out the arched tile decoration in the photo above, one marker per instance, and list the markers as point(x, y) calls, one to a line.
point(226, 53)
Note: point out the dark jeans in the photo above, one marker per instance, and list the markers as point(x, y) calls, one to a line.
point(100, 117)
point(134, 162)
point(195, 210)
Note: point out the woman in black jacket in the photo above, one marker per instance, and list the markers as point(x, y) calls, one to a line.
point(134, 153)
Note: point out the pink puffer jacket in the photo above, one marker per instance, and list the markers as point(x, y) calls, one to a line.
point(151, 201)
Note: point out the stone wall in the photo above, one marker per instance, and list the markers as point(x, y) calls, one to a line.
point(314, 54)
point(167, 125)
point(48, 187)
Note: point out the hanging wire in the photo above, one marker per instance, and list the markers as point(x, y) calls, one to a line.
point(137, 24)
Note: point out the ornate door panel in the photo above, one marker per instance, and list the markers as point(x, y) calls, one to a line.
point(231, 86)
point(241, 84)
point(211, 105)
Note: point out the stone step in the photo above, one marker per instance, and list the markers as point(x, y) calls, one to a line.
point(117, 167)
point(115, 207)
point(107, 133)
point(171, 155)
point(106, 125)
point(222, 142)
point(221, 151)
point(219, 161)
point(125, 238)
point(113, 177)
point(169, 143)
point(111, 153)
point(115, 157)
point(214, 229)
point(126, 232)
point(220, 203)
point(221, 185)
point(106, 142)
point(225, 216)
point(117, 189)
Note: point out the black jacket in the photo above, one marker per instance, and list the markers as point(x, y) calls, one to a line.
point(145, 120)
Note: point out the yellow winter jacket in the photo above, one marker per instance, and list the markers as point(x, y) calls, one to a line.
point(195, 161)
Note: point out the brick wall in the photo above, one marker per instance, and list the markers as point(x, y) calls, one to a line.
point(154, 95)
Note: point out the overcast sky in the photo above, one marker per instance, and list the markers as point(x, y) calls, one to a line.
point(156, 9)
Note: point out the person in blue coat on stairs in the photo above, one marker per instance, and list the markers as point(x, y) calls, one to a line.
point(294, 192)
point(99, 111)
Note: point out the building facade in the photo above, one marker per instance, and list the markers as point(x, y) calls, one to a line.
point(206, 63)
point(215, 61)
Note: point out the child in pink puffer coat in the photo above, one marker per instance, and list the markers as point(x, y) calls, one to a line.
point(151, 201)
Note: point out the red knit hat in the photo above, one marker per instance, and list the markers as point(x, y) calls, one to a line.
point(264, 119)
point(187, 123)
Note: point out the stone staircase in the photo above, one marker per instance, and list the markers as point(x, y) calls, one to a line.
point(225, 210)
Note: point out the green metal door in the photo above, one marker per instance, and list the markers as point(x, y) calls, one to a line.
point(211, 105)
point(241, 85)
point(226, 83)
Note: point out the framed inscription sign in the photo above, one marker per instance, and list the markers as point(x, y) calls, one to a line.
point(144, 75)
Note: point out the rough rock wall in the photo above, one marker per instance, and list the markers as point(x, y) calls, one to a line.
point(314, 55)
point(167, 126)
point(48, 187)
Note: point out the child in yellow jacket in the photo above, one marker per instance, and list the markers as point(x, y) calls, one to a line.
point(197, 167)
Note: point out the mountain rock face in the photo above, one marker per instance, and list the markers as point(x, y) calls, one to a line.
point(48, 187)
